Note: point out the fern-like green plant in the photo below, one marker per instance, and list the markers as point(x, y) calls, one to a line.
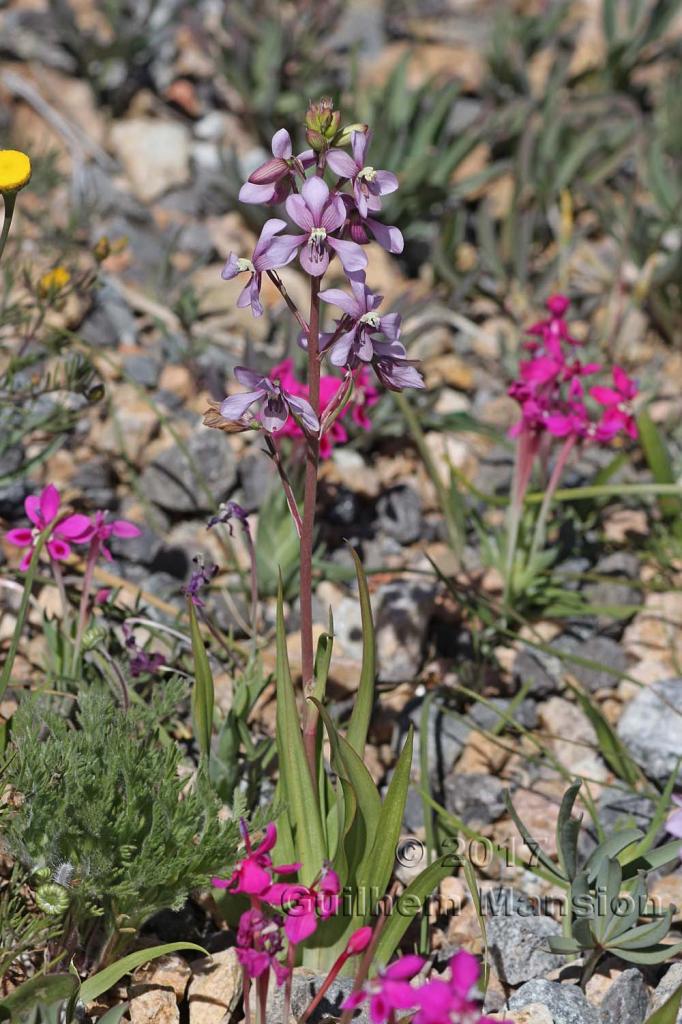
point(102, 817)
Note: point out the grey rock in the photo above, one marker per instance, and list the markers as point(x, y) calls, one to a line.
point(566, 1003)
point(111, 321)
point(568, 572)
point(343, 509)
point(650, 728)
point(623, 566)
point(143, 549)
point(195, 484)
point(624, 810)
point(518, 947)
point(600, 649)
point(413, 815)
point(474, 797)
point(403, 612)
point(256, 474)
point(399, 514)
point(626, 1002)
point(446, 738)
point(96, 481)
point(541, 670)
point(305, 984)
point(12, 492)
point(142, 369)
point(669, 983)
point(486, 717)
point(619, 563)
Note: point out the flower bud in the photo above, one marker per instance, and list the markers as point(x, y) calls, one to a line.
point(269, 172)
point(359, 941)
point(322, 124)
point(343, 137)
point(52, 898)
point(93, 637)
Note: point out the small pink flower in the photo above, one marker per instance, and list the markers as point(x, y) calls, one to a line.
point(274, 180)
point(305, 906)
point(42, 511)
point(101, 531)
point(369, 184)
point(252, 875)
point(389, 991)
point(359, 940)
point(259, 941)
point(616, 400)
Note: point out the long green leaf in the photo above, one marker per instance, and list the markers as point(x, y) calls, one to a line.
point(299, 796)
point(382, 857)
point(568, 831)
point(660, 464)
point(202, 691)
point(362, 709)
point(101, 982)
point(417, 891)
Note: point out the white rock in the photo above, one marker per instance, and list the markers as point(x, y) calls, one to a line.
point(155, 154)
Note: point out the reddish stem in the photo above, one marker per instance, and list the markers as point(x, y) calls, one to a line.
point(308, 531)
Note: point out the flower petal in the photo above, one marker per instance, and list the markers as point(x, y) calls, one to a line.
point(387, 235)
point(342, 163)
point(74, 528)
point(49, 503)
point(275, 413)
point(32, 509)
point(333, 215)
point(58, 549)
point(231, 268)
point(299, 927)
point(346, 302)
point(279, 252)
point(315, 263)
point(305, 412)
point(359, 143)
point(298, 210)
point(350, 253)
point(250, 193)
point(234, 407)
point(21, 538)
point(122, 528)
point(281, 144)
point(386, 182)
point(315, 192)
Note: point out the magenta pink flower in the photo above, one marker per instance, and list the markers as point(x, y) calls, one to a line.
point(369, 185)
point(253, 874)
point(305, 906)
point(273, 181)
point(320, 213)
point(43, 510)
point(616, 400)
point(444, 1001)
point(389, 991)
point(270, 253)
point(101, 531)
point(259, 941)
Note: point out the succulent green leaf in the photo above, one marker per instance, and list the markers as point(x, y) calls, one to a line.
point(362, 709)
point(417, 891)
point(101, 982)
point(568, 831)
point(40, 989)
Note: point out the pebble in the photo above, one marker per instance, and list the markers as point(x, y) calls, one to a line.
point(474, 797)
point(403, 612)
point(518, 946)
point(399, 514)
point(179, 482)
point(566, 1003)
point(154, 153)
point(215, 987)
point(626, 1001)
point(650, 728)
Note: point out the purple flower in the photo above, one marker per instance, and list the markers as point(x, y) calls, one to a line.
point(227, 512)
point(201, 576)
point(268, 254)
point(278, 404)
point(141, 661)
point(359, 342)
point(319, 213)
point(396, 371)
point(368, 184)
point(674, 823)
point(273, 181)
point(361, 229)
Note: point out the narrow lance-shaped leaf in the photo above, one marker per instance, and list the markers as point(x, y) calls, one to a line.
point(202, 691)
point(298, 793)
point(382, 857)
point(415, 894)
point(362, 709)
point(41, 989)
point(568, 831)
point(101, 982)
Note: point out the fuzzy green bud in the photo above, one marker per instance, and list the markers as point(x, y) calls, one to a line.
point(93, 637)
point(52, 898)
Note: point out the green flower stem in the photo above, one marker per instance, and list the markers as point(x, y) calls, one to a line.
point(9, 200)
point(93, 552)
point(541, 523)
point(23, 610)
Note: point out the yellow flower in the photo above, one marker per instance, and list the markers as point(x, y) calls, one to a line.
point(53, 281)
point(15, 170)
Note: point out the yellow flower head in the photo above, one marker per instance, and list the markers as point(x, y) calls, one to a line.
point(53, 281)
point(15, 170)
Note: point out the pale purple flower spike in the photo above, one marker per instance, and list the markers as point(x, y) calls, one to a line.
point(278, 404)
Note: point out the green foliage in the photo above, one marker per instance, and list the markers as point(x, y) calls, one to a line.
point(607, 893)
point(104, 810)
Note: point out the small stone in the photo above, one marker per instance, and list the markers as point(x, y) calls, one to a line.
point(142, 369)
point(153, 1006)
point(181, 484)
point(626, 1001)
point(154, 154)
point(574, 740)
point(474, 797)
point(669, 983)
point(399, 514)
point(566, 1003)
point(600, 649)
point(650, 729)
point(539, 670)
point(111, 321)
point(256, 474)
point(215, 988)
point(655, 634)
point(533, 1013)
point(518, 946)
point(403, 612)
point(169, 972)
